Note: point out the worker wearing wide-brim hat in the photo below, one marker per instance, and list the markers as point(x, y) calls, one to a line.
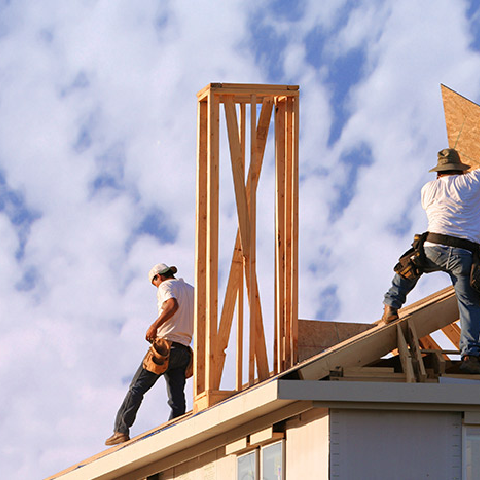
point(170, 353)
point(451, 245)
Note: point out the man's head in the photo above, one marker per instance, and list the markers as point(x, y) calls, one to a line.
point(161, 271)
point(449, 163)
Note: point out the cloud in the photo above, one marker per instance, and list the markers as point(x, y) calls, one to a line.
point(97, 179)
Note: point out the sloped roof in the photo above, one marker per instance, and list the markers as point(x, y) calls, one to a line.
point(359, 359)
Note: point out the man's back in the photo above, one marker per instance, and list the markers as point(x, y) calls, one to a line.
point(179, 328)
point(452, 204)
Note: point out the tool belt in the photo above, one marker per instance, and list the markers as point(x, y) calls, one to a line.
point(451, 241)
point(410, 264)
point(157, 357)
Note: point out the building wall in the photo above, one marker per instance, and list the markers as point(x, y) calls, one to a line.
point(213, 465)
point(307, 446)
point(358, 444)
point(398, 445)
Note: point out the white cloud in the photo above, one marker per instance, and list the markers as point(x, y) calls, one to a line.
point(98, 130)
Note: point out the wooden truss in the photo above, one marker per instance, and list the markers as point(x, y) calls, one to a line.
point(212, 334)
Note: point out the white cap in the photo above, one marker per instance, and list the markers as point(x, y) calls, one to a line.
point(160, 269)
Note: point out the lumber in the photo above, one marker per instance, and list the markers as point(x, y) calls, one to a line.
point(200, 250)
point(415, 350)
point(452, 332)
point(212, 242)
point(405, 357)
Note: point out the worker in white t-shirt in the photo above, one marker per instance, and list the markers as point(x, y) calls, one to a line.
point(174, 324)
point(452, 205)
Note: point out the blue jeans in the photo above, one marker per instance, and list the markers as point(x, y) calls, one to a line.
point(457, 262)
point(143, 380)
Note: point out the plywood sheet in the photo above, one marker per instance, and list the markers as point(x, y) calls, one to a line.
point(315, 336)
point(462, 118)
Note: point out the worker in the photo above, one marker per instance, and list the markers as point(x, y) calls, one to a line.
point(174, 324)
point(452, 205)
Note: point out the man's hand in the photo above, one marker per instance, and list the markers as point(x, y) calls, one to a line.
point(151, 333)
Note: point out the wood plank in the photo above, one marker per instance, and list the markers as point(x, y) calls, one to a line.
point(263, 127)
point(212, 242)
point(415, 350)
point(288, 232)
point(242, 92)
point(259, 133)
point(238, 176)
point(405, 357)
point(280, 230)
point(239, 350)
point(440, 350)
point(295, 227)
point(240, 296)
point(200, 250)
point(367, 371)
point(250, 258)
point(428, 342)
point(452, 332)
point(235, 284)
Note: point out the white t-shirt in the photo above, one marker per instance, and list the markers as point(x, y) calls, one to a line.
point(178, 328)
point(452, 204)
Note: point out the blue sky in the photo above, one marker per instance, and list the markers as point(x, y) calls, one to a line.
point(97, 178)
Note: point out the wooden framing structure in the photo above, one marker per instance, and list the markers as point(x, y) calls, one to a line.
point(211, 333)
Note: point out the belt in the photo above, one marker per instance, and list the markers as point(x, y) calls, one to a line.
point(178, 344)
point(451, 241)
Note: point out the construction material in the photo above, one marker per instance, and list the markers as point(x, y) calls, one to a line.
point(212, 335)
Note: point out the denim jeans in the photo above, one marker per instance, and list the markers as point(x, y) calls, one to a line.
point(143, 380)
point(457, 263)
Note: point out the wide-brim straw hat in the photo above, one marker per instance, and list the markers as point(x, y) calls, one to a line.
point(449, 159)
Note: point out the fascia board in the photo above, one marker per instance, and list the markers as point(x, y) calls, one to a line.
point(451, 396)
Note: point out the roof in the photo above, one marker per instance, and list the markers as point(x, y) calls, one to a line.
point(353, 373)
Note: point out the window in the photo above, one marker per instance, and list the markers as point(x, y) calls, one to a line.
point(247, 466)
point(273, 461)
point(471, 452)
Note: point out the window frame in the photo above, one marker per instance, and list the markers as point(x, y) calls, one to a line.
point(283, 455)
point(256, 454)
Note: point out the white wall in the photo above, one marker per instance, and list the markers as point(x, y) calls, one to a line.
point(398, 445)
point(307, 446)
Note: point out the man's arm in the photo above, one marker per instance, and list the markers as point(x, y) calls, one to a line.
point(169, 307)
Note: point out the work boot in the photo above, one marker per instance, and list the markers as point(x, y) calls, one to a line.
point(117, 438)
point(389, 314)
point(470, 364)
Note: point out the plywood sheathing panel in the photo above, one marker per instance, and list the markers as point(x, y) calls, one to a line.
point(315, 336)
point(463, 126)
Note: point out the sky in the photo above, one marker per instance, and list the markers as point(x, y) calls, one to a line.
point(98, 165)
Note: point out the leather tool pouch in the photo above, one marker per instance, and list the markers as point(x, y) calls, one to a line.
point(410, 264)
point(157, 357)
point(475, 271)
point(189, 369)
